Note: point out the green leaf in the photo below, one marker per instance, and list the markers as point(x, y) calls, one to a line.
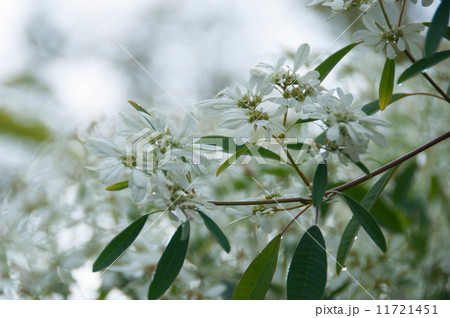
point(404, 181)
point(228, 145)
point(390, 216)
point(302, 121)
point(372, 107)
point(118, 186)
point(447, 33)
point(321, 138)
point(386, 83)
point(326, 66)
point(171, 262)
point(438, 28)
point(119, 244)
point(215, 231)
point(422, 65)
point(347, 240)
point(308, 271)
point(367, 221)
point(298, 146)
point(352, 229)
point(138, 108)
point(373, 194)
point(142, 110)
point(320, 181)
point(361, 166)
point(257, 278)
point(233, 158)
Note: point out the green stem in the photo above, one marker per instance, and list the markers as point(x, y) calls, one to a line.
point(300, 173)
point(385, 15)
point(401, 13)
point(294, 165)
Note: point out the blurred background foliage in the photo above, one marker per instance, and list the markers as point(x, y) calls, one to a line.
point(64, 79)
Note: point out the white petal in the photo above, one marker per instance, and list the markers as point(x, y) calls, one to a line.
point(138, 185)
point(300, 56)
point(401, 45)
point(333, 132)
point(111, 173)
point(415, 51)
point(369, 22)
point(390, 51)
point(102, 148)
point(265, 224)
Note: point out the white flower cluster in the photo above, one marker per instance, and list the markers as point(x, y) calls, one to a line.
point(155, 160)
point(338, 6)
point(403, 37)
point(342, 5)
point(348, 128)
point(268, 86)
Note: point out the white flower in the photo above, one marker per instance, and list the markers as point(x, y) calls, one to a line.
point(404, 37)
point(294, 88)
point(262, 221)
point(342, 5)
point(244, 112)
point(153, 156)
point(348, 128)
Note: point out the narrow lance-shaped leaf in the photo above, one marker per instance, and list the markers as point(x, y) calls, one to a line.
point(138, 107)
point(119, 244)
point(142, 110)
point(215, 231)
point(171, 262)
point(118, 186)
point(360, 165)
point(320, 181)
point(298, 146)
point(228, 145)
point(438, 27)
point(232, 159)
point(447, 33)
point(374, 193)
point(372, 107)
point(367, 221)
point(308, 271)
point(422, 65)
point(386, 83)
point(257, 278)
point(326, 66)
point(346, 243)
point(302, 121)
point(352, 228)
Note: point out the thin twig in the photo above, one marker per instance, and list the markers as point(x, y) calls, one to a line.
point(401, 13)
point(344, 186)
point(391, 164)
point(295, 218)
point(385, 14)
point(429, 79)
point(300, 173)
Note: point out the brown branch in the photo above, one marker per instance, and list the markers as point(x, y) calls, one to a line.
point(391, 164)
point(429, 79)
point(344, 186)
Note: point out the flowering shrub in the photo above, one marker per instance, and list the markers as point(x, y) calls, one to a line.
point(267, 108)
point(283, 118)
